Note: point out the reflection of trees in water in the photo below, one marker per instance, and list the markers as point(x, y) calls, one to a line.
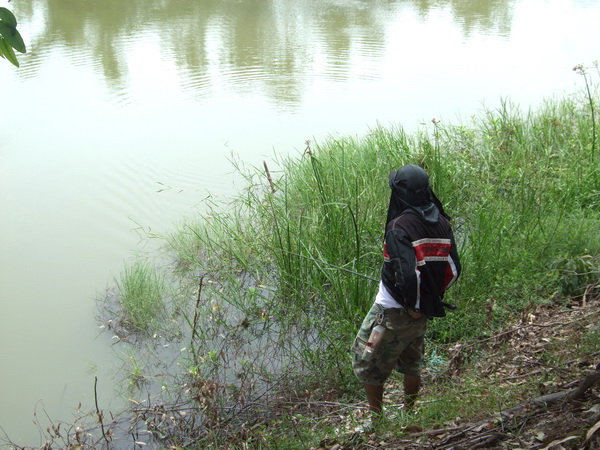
point(474, 15)
point(273, 46)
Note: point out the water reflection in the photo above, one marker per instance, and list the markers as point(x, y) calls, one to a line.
point(274, 47)
point(489, 16)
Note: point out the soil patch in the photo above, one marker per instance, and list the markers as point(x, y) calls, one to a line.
point(549, 354)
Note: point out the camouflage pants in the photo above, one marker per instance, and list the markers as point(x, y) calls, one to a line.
point(402, 346)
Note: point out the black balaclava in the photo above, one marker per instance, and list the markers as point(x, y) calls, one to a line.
point(411, 193)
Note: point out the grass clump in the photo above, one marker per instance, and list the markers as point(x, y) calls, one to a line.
point(141, 290)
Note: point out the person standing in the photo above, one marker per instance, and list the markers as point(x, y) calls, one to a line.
point(420, 263)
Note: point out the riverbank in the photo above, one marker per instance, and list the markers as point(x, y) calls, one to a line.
point(289, 263)
point(261, 297)
point(530, 385)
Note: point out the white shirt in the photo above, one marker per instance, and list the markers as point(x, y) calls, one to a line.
point(385, 299)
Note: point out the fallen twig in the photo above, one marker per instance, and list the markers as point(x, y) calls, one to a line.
point(486, 435)
point(197, 310)
point(98, 411)
point(531, 325)
point(589, 381)
point(483, 440)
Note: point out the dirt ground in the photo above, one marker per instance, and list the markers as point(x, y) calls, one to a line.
point(548, 361)
point(547, 350)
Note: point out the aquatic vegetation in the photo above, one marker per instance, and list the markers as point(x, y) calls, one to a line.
point(141, 291)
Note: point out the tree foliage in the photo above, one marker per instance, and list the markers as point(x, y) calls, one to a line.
point(10, 38)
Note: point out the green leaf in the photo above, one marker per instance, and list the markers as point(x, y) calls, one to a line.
point(8, 52)
point(12, 36)
point(7, 17)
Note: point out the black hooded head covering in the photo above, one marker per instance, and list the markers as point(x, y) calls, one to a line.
point(411, 193)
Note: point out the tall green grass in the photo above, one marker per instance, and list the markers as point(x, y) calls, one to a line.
point(142, 296)
point(274, 283)
point(522, 189)
point(527, 194)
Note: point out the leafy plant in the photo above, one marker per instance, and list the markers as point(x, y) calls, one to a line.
point(574, 275)
point(10, 38)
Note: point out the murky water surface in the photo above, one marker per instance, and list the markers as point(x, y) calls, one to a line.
point(123, 116)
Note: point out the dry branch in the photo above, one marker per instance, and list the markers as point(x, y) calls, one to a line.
point(531, 325)
point(484, 434)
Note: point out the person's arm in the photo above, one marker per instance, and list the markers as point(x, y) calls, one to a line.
point(455, 260)
point(403, 260)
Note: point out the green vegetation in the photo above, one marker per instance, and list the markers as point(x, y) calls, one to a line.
point(274, 284)
point(141, 292)
point(10, 38)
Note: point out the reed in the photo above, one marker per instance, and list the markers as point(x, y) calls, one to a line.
point(141, 292)
point(513, 182)
point(527, 194)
